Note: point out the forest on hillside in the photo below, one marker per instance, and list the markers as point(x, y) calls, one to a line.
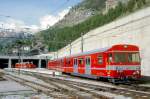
point(56, 38)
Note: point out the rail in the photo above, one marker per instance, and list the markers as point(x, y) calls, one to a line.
point(96, 90)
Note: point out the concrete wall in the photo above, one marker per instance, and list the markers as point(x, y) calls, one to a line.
point(132, 29)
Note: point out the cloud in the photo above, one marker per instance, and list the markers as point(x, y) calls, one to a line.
point(18, 25)
point(45, 22)
point(12, 24)
point(50, 20)
point(32, 28)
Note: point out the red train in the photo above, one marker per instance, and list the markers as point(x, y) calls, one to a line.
point(25, 65)
point(117, 62)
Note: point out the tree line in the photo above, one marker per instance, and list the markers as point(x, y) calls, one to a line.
point(53, 37)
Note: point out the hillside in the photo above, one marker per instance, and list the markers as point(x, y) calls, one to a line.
point(81, 12)
point(57, 37)
point(9, 39)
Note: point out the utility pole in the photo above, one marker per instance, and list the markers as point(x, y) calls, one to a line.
point(19, 57)
point(57, 54)
point(46, 61)
point(19, 50)
point(82, 42)
point(70, 47)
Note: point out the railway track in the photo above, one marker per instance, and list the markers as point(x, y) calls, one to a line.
point(93, 88)
point(58, 90)
point(97, 91)
point(55, 93)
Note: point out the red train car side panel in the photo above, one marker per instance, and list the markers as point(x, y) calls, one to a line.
point(112, 62)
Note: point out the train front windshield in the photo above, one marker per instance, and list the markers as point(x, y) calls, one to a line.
point(124, 57)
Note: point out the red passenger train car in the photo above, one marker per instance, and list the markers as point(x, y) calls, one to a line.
point(25, 65)
point(117, 62)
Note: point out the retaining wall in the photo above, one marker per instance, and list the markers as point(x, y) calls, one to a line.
point(132, 29)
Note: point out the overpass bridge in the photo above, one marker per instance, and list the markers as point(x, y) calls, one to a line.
point(10, 61)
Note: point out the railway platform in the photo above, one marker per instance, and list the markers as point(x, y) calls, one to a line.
point(38, 70)
point(59, 75)
point(144, 82)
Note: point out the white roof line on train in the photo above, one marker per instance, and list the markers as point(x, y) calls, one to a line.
point(90, 52)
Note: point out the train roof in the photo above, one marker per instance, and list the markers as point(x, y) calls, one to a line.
point(90, 52)
point(96, 50)
point(100, 50)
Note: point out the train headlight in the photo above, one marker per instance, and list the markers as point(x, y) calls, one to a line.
point(125, 46)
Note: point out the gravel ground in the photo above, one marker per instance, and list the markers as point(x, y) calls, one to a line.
point(145, 85)
point(12, 90)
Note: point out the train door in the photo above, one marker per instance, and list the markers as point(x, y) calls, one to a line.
point(88, 65)
point(75, 65)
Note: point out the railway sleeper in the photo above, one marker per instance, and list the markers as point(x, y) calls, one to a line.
point(66, 81)
point(75, 92)
point(62, 90)
point(83, 89)
point(104, 89)
point(51, 92)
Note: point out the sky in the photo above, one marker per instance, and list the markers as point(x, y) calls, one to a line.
point(35, 14)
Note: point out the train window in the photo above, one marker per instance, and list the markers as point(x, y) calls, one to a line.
point(133, 57)
point(110, 58)
point(100, 59)
point(68, 61)
point(120, 57)
point(75, 62)
point(80, 61)
point(88, 61)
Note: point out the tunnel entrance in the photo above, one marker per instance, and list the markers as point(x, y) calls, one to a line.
point(13, 62)
point(3, 63)
point(43, 64)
